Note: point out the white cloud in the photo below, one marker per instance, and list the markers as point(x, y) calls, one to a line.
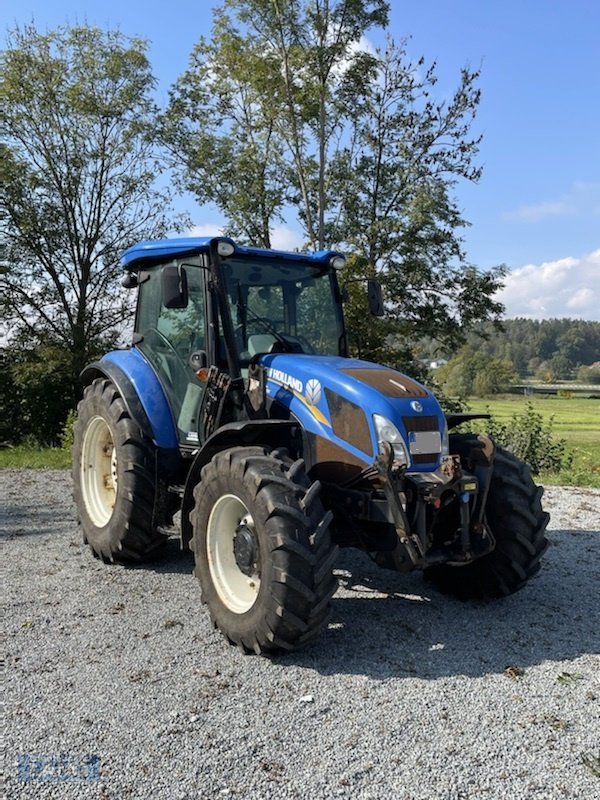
point(211, 229)
point(285, 238)
point(567, 287)
point(582, 299)
point(580, 200)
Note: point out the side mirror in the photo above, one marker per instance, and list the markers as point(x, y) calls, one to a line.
point(129, 280)
point(375, 296)
point(198, 360)
point(174, 287)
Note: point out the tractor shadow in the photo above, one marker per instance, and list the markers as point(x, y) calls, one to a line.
point(385, 625)
point(20, 520)
point(169, 560)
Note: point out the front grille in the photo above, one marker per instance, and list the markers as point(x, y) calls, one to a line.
point(417, 423)
point(424, 458)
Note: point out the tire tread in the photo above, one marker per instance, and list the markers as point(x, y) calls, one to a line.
point(296, 606)
point(518, 522)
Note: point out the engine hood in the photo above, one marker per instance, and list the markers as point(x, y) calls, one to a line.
point(336, 398)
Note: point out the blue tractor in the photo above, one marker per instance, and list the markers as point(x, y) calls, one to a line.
point(237, 405)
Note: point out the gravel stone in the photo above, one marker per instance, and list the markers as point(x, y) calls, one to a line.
point(413, 696)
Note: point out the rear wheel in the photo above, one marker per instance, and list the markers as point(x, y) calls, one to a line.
point(113, 477)
point(515, 516)
point(263, 550)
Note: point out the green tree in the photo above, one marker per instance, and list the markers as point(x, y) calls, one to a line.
point(297, 117)
point(255, 121)
point(223, 137)
point(406, 154)
point(589, 374)
point(369, 337)
point(475, 373)
point(456, 377)
point(78, 175)
point(560, 366)
point(493, 377)
point(532, 345)
point(36, 392)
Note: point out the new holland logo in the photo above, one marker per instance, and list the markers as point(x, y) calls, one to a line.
point(285, 380)
point(313, 391)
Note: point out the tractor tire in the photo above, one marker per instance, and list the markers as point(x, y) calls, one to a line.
point(263, 550)
point(515, 517)
point(113, 478)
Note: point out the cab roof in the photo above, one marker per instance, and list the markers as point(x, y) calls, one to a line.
point(153, 251)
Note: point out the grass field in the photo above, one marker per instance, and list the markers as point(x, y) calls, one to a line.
point(34, 458)
point(576, 420)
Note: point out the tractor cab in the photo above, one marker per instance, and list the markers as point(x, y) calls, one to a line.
point(206, 303)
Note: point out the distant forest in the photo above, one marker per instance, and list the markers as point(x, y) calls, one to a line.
point(547, 350)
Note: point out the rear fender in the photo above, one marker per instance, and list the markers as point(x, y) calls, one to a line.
point(142, 392)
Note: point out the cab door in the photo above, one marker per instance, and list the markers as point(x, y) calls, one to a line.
point(172, 335)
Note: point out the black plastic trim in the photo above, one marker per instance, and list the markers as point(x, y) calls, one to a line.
point(454, 420)
point(271, 432)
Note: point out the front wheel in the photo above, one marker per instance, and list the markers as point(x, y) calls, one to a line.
point(263, 551)
point(113, 478)
point(515, 516)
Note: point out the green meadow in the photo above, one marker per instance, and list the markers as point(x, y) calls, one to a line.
point(574, 419)
point(27, 457)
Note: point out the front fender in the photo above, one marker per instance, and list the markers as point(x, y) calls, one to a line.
point(269, 432)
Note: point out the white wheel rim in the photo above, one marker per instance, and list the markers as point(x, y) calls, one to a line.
point(99, 471)
point(236, 590)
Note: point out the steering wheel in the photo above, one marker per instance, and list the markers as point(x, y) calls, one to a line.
point(268, 325)
point(167, 345)
point(306, 345)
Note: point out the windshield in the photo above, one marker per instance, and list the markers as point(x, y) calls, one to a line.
point(282, 305)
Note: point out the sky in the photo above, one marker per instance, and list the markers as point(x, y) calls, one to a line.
point(537, 206)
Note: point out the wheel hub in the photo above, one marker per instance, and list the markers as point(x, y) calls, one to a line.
point(233, 553)
point(98, 471)
point(245, 548)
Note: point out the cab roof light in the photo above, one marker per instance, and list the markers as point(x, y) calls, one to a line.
point(337, 262)
point(225, 248)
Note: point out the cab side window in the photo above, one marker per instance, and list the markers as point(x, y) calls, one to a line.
point(168, 337)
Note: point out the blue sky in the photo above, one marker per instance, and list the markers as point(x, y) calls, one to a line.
point(537, 207)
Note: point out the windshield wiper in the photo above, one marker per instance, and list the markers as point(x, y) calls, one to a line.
point(270, 328)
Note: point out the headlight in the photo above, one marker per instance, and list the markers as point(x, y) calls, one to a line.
point(388, 432)
point(445, 441)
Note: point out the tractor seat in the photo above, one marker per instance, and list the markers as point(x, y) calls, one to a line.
point(260, 343)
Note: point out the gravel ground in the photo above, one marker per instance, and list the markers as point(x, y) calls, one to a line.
point(408, 695)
